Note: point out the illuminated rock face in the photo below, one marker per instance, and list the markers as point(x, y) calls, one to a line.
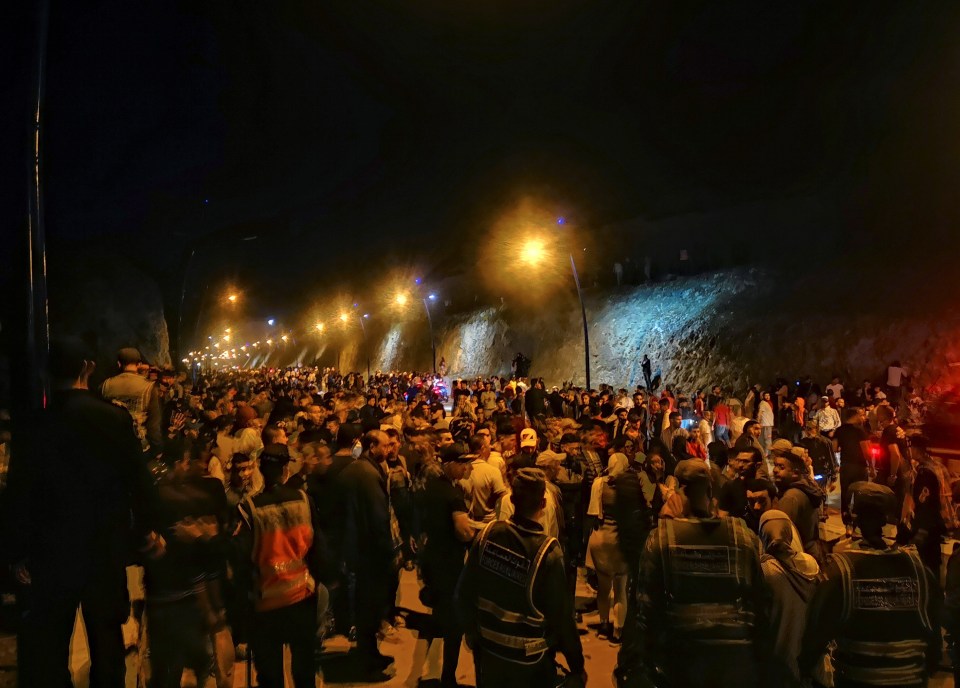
point(108, 303)
point(733, 327)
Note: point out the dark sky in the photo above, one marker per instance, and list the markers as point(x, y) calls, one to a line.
point(412, 124)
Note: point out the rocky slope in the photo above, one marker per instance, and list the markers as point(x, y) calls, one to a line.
point(731, 327)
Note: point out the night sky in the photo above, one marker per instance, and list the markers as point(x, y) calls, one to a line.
point(414, 124)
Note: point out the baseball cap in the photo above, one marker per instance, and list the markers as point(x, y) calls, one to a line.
point(456, 452)
point(528, 437)
point(548, 458)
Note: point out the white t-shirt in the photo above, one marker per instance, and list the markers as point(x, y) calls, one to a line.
point(895, 376)
point(837, 390)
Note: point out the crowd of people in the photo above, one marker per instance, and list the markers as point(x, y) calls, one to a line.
point(277, 507)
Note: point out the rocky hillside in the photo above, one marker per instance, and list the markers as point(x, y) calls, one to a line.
point(732, 327)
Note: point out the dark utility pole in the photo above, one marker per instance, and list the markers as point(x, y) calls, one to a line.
point(583, 313)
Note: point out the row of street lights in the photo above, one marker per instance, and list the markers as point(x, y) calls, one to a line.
point(534, 252)
point(401, 299)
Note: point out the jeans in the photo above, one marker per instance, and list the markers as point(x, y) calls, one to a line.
point(766, 438)
point(722, 433)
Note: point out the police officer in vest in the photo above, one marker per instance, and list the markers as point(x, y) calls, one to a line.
point(277, 530)
point(879, 604)
point(512, 601)
point(700, 596)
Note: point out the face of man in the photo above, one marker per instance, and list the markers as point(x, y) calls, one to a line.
point(783, 472)
point(571, 448)
point(656, 463)
point(381, 448)
point(444, 439)
point(742, 463)
point(392, 445)
point(755, 431)
point(675, 422)
point(758, 502)
point(243, 472)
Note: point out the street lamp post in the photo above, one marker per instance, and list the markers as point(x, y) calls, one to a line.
point(583, 313)
point(366, 346)
point(433, 341)
point(535, 251)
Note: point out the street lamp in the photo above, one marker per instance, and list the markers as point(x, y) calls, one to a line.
point(433, 341)
point(319, 327)
point(401, 299)
point(232, 298)
point(534, 252)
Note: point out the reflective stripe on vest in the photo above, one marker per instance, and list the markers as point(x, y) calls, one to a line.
point(510, 617)
point(529, 646)
point(912, 654)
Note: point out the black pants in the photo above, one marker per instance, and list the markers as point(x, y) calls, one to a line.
point(178, 640)
point(43, 648)
point(441, 578)
point(372, 603)
point(848, 476)
point(295, 626)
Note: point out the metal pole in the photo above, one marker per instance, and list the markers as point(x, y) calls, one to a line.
point(433, 341)
point(38, 323)
point(583, 312)
point(366, 347)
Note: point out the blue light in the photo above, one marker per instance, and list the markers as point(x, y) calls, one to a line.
point(356, 305)
point(561, 220)
point(271, 322)
point(432, 297)
point(366, 315)
point(206, 201)
point(417, 281)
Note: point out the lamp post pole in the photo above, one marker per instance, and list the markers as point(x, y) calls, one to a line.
point(433, 341)
point(583, 313)
point(366, 347)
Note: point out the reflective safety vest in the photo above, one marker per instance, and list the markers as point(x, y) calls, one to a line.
point(885, 623)
point(708, 568)
point(282, 538)
point(511, 627)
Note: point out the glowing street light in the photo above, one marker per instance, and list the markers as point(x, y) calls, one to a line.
point(226, 338)
point(344, 318)
point(319, 327)
point(533, 252)
point(432, 297)
point(271, 322)
point(284, 337)
point(232, 298)
point(269, 341)
point(401, 299)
